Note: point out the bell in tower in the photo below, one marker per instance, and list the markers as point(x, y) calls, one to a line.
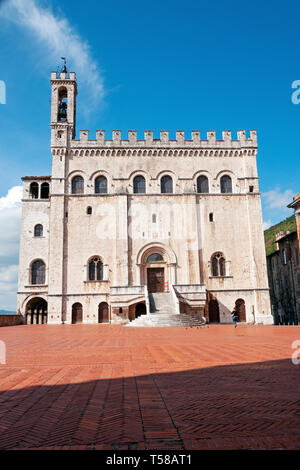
point(62, 105)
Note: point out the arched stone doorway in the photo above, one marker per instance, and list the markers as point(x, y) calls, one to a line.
point(77, 313)
point(157, 264)
point(140, 309)
point(103, 313)
point(240, 310)
point(213, 311)
point(36, 311)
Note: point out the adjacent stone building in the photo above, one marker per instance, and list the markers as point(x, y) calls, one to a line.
point(120, 220)
point(284, 273)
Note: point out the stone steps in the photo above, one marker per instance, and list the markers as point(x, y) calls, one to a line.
point(162, 313)
point(161, 302)
point(165, 319)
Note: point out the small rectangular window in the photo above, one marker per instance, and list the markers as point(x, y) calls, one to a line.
point(284, 257)
point(211, 217)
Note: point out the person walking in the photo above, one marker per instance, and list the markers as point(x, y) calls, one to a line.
point(234, 317)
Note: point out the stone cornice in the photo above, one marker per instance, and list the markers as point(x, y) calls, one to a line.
point(152, 152)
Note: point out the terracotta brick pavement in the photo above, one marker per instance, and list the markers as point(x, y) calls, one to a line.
point(111, 387)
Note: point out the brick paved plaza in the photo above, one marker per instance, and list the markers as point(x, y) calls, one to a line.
point(112, 387)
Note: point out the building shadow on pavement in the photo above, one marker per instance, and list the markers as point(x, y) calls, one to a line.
point(246, 406)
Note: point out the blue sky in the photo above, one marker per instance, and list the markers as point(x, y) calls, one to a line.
point(158, 65)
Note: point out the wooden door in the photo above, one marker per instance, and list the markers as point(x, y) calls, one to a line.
point(155, 279)
point(214, 314)
point(77, 313)
point(103, 313)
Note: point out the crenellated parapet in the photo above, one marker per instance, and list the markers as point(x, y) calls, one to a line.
point(181, 141)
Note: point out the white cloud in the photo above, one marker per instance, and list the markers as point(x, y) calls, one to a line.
point(12, 199)
point(10, 219)
point(267, 224)
point(60, 38)
point(275, 199)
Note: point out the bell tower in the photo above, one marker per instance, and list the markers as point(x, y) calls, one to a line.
point(63, 107)
point(63, 124)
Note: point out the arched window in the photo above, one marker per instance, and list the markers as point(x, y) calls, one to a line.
point(77, 185)
point(45, 191)
point(89, 210)
point(101, 185)
point(166, 184)
point(226, 184)
point(38, 272)
point(154, 257)
point(218, 265)
point(38, 230)
point(139, 185)
point(95, 269)
point(202, 184)
point(34, 190)
point(62, 104)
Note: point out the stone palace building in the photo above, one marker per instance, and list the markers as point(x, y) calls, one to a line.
point(283, 266)
point(121, 222)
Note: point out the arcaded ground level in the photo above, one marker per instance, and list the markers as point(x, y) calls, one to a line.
point(112, 387)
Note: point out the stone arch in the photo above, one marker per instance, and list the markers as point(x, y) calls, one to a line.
point(62, 104)
point(36, 311)
point(101, 184)
point(156, 247)
point(229, 173)
point(37, 272)
point(95, 268)
point(136, 173)
point(140, 309)
point(103, 312)
point(45, 190)
point(218, 264)
point(163, 268)
point(77, 184)
point(38, 230)
point(34, 189)
point(240, 309)
point(77, 313)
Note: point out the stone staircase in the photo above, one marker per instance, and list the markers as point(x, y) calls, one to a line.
point(162, 313)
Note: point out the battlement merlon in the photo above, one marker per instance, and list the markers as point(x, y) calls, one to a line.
point(164, 141)
point(63, 76)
